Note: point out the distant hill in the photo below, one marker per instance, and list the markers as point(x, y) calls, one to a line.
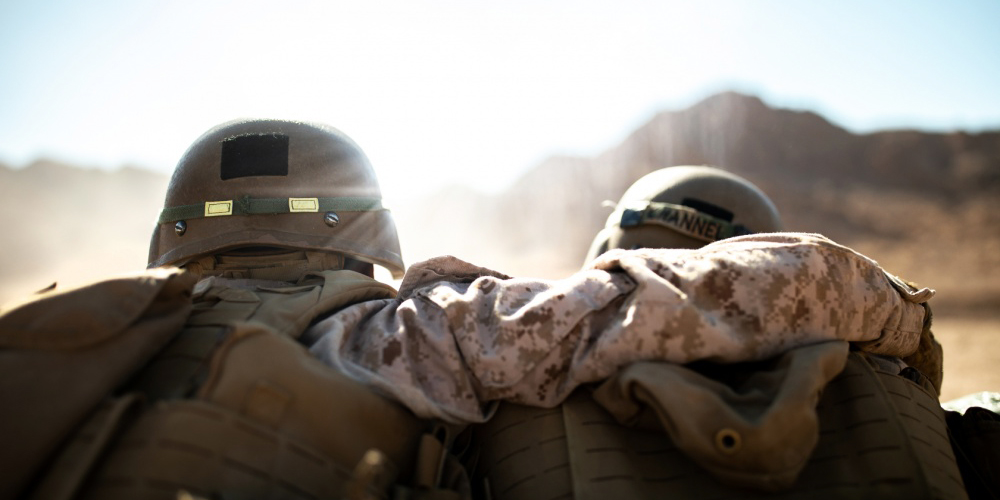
point(68, 224)
point(926, 205)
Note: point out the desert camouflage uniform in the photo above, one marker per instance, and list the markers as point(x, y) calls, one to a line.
point(458, 336)
point(458, 339)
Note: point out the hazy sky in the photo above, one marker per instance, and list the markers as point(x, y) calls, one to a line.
point(471, 91)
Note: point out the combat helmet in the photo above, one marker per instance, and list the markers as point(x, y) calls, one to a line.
point(686, 207)
point(275, 183)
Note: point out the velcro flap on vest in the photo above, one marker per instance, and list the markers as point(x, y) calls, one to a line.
point(90, 314)
point(274, 381)
point(757, 433)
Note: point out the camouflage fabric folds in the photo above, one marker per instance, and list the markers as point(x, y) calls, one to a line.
point(458, 336)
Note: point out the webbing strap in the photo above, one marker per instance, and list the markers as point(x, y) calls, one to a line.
point(260, 206)
point(685, 220)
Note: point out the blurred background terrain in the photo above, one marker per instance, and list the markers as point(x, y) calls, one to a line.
point(925, 205)
point(498, 128)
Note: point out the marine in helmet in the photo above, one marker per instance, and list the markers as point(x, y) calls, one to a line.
point(686, 207)
point(279, 223)
point(597, 445)
point(518, 342)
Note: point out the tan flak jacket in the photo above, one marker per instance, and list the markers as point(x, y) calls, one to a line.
point(458, 336)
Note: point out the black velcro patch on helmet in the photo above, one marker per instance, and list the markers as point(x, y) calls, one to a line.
point(708, 208)
point(252, 155)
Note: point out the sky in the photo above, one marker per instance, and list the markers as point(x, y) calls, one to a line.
point(471, 92)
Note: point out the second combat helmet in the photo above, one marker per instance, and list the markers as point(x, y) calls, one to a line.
point(686, 207)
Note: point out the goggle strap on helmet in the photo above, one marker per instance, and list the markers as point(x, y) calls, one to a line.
point(264, 206)
point(682, 219)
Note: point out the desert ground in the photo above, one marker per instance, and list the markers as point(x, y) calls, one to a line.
point(971, 354)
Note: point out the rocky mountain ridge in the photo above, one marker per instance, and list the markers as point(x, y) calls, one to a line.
point(926, 205)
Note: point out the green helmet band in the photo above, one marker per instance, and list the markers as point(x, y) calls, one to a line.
point(263, 206)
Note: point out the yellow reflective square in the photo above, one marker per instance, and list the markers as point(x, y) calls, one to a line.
point(303, 204)
point(217, 208)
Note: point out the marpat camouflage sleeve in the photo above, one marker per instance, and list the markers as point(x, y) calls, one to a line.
point(459, 337)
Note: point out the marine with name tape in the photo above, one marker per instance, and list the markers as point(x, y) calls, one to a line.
point(714, 429)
